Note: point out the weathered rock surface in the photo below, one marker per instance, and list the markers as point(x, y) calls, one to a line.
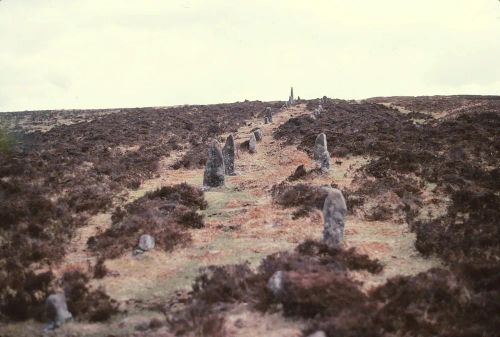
point(229, 153)
point(252, 144)
point(275, 283)
point(325, 162)
point(334, 211)
point(56, 310)
point(269, 114)
point(320, 147)
point(318, 333)
point(214, 168)
point(146, 242)
point(258, 134)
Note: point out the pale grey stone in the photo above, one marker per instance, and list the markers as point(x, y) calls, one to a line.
point(57, 311)
point(146, 242)
point(252, 144)
point(318, 333)
point(325, 162)
point(320, 146)
point(269, 114)
point(275, 283)
point(334, 211)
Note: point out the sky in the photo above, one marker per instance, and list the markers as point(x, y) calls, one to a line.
point(65, 54)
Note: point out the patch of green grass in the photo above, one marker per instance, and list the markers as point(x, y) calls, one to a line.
point(218, 198)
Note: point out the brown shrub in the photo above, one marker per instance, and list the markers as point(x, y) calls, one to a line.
point(86, 304)
point(165, 214)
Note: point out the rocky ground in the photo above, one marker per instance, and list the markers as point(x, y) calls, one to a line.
point(379, 269)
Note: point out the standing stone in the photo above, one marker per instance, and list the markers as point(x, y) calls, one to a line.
point(229, 153)
point(269, 114)
point(214, 169)
point(258, 134)
point(275, 283)
point(320, 147)
point(146, 242)
point(325, 162)
point(252, 144)
point(291, 100)
point(324, 99)
point(266, 120)
point(57, 310)
point(334, 211)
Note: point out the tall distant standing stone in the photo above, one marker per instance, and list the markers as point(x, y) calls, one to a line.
point(57, 310)
point(320, 147)
point(291, 100)
point(252, 144)
point(214, 169)
point(229, 153)
point(334, 211)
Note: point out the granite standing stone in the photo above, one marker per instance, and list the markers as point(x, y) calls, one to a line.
point(57, 310)
point(214, 168)
point(252, 144)
point(275, 283)
point(334, 211)
point(258, 134)
point(325, 162)
point(229, 153)
point(269, 114)
point(320, 147)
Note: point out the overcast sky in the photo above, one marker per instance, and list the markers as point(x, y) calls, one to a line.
point(121, 53)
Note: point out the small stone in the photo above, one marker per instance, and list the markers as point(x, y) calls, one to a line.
point(266, 120)
point(334, 211)
point(214, 168)
point(318, 333)
point(258, 135)
point(56, 310)
point(146, 242)
point(229, 153)
point(320, 147)
point(275, 283)
point(252, 144)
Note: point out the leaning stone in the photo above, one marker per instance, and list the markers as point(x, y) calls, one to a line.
point(275, 283)
point(229, 153)
point(258, 135)
point(57, 311)
point(146, 242)
point(252, 144)
point(334, 211)
point(214, 168)
point(320, 147)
